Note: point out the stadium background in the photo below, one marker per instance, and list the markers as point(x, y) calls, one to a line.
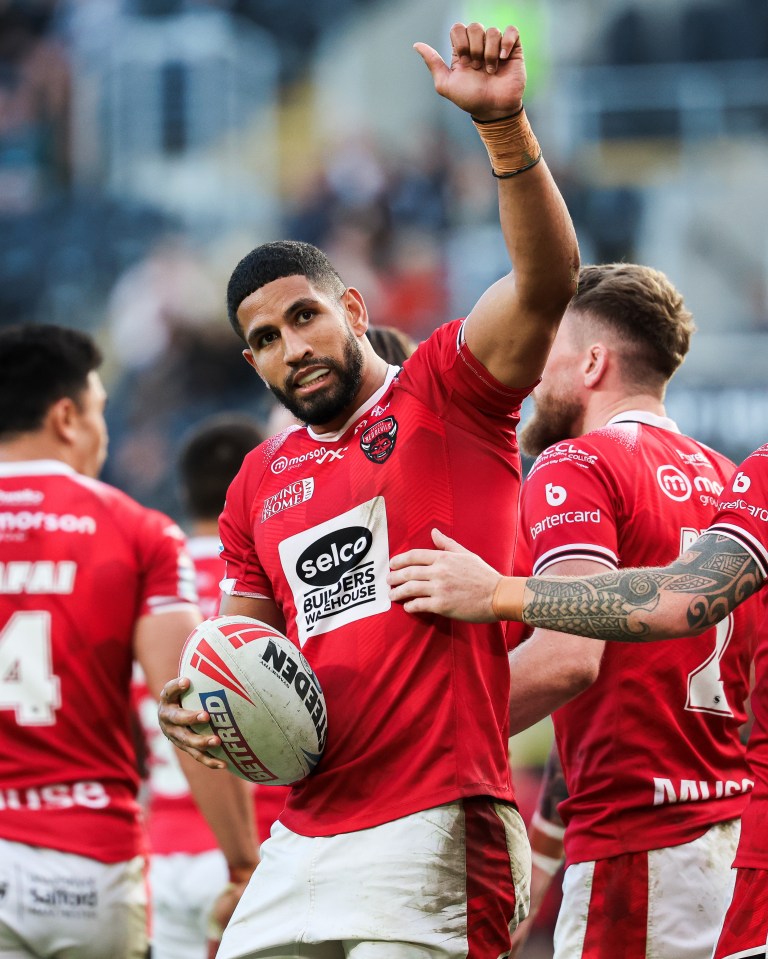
point(145, 145)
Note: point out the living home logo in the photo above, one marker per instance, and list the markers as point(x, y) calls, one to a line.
point(674, 483)
point(291, 495)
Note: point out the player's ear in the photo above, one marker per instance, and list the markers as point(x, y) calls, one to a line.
point(249, 359)
point(357, 312)
point(62, 418)
point(595, 365)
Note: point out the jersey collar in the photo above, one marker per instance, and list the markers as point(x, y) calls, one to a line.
point(392, 371)
point(35, 468)
point(643, 416)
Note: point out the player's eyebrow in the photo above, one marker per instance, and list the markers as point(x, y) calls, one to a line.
point(302, 303)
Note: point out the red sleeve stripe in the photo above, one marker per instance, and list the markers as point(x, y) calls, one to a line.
point(751, 543)
point(596, 554)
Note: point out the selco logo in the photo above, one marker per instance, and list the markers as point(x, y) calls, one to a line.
point(326, 560)
point(321, 455)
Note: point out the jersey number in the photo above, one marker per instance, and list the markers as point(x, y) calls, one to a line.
point(27, 683)
point(706, 693)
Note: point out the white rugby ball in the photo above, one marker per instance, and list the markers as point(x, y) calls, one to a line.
point(263, 699)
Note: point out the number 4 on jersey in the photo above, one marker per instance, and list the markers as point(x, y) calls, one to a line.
point(27, 683)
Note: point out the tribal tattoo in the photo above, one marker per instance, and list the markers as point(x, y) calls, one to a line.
point(639, 604)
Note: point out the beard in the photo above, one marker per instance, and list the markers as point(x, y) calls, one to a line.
point(332, 402)
point(554, 419)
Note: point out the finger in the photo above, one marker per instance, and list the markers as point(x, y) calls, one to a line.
point(492, 49)
point(174, 690)
point(435, 63)
point(178, 716)
point(476, 35)
point(204, 758)
point(460, 43)
point(447, 544)
point(424, 604)
point(510, 41)
point(416, 574)
point(414, 557)
point(410, 589)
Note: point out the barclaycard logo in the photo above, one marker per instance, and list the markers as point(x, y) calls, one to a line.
point(233, 742)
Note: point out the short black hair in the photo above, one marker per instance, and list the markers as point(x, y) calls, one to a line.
point(272, 261)
point(39, 365)
point(210, 457)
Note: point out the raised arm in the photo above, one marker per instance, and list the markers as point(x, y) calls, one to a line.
point(512, 326)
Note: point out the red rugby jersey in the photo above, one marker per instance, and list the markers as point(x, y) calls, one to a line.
point(174, 823)
point(651, 751)
point(743, 516)
point(80, 563)
point(417, 705)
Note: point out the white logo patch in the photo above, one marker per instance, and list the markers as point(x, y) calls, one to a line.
point(674, 483)
point(555, 494)
point(337, 571)
point(741, 483)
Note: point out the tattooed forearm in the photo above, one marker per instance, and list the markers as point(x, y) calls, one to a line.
point(696, 591)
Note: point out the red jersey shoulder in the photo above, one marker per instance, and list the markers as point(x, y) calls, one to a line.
point(742, 510)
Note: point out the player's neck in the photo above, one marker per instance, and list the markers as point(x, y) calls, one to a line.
point(32, 446)
point(604, 408)
point(374, 376)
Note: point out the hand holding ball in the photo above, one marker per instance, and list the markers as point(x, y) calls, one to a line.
point(264, 701)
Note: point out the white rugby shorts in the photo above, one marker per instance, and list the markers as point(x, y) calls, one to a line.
point(446, 883)
point(665, 903)
point(183, 888)
point(55, 903)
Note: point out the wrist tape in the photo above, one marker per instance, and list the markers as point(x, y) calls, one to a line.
point(511, 144)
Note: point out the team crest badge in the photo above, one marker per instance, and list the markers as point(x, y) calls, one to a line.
point(378, 441)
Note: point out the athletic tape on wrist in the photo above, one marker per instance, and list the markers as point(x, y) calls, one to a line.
point(507, 602)
point(511, 144)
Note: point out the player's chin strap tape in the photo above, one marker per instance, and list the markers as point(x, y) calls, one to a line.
point(507, 602)
point(511, 144)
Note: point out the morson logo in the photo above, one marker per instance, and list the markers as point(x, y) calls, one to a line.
point(326, 561)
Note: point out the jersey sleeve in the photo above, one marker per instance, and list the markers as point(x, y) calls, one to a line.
point(243, 572)
point(168, 581)
point(742, 510)
point(570, 505)
point(444, 372)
